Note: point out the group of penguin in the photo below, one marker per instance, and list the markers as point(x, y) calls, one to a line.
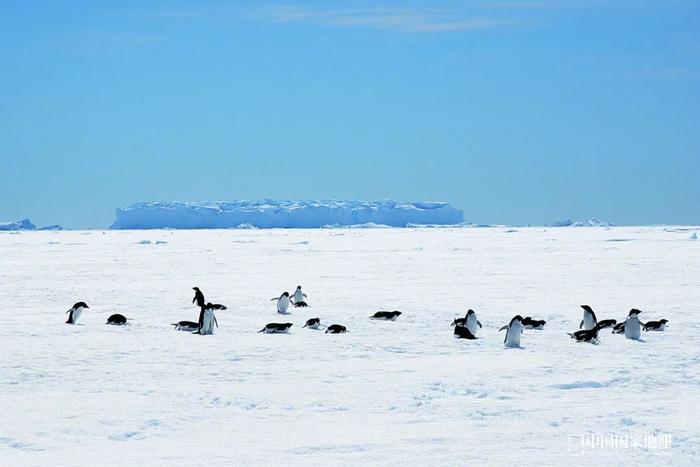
point(464, 328)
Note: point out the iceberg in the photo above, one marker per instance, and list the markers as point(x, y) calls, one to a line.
point(24, 224)
point(270, 213)
point(593, 222)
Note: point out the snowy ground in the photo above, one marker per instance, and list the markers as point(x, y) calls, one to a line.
point(386, 393)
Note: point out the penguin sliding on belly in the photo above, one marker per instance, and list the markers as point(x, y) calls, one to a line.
point(186, 326)
point(313, 323)
point(283, 303)
point(587, 335)
point(589, 319)
point(75, 312)
point(117, 320)
point(386, 315)
point(633, 327)
point(207, 321)
point(513, 331)
point(529, 323)
point(336, 329)
point(655, 325)
point(462, 332)
point(276, 328)
point(298, 298)
point(607, 323)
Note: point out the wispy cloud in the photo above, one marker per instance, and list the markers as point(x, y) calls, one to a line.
point(390, 19)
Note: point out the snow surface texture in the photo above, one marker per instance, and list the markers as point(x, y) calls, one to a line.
point(385, 393)
point(286, 214)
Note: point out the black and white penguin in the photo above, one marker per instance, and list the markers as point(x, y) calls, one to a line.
point(386, 315)
point(207, 321)
point(215, 306)
point(75, 312)
point(283, 303)
point(587, 335)
point(186, 326)
point(298, 298)
point(529, 323)
point(336, 329)
point(607, 323)
point(589, 320)
point(198, 297)
point(513, 331)
point(462, 332)
point(471, 322)
point(655, 325)
point(633, 327)
point(313, 323)
point(276, 328)
point(619, 328)
point(117, 319)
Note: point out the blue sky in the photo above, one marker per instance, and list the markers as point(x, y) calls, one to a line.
point(515, 111)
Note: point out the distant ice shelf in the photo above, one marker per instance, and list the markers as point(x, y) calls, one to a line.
point(283, 214)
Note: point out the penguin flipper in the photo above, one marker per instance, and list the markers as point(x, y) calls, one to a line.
point(479, 323)
point(504, 327)
point(216, 322)
point(580, 325)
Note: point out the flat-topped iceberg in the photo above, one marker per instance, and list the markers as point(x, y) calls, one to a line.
point(282, 214)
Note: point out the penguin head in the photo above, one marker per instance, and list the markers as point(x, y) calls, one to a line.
point(80, 304)
point(634, 312)
point(663, 321)
point(517, 318)
point(195, 288)
point(298, 287)
point(470, 312)
point(587, 308)
point(285, 294)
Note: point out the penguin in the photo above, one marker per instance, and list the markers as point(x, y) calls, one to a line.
point(336, 329)
point(655, 325)
point(513, 331)
point(276, 328)
point(198, 297)
point(215, 306)
point(633, 327)
point(589, 320)
point(386, 315)
point(619, 328)
point(530, 323)
point(117, 320)
point(607, 323)
point(186, 326)
point(207, 320)
point(75, 312)
point(283, 303)
point(313, 323)
point(298, 298)
point(587, 335)
point(462, 332)
point(471, 322)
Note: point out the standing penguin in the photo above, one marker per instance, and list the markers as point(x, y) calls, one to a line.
point(283, 303)
point(513, 331)
point(471, 322)
point(633, 327)
point(207, 320)
point(298, 298)
point(589, 320)
point(75, 312)
point(198, 297)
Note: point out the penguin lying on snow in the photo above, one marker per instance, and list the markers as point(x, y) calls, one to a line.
point(619, 328)
point(75, 312)
point(530, 323)
point(313, 323)
point(655, 325)
point(283, 302)
point(117, 319)
point(298, 298)
point(276, 328)
point(587, 335)
point(589, 319)
point(336, 329)
point(186, 326)
point(607, 323)
point(216, 306)
point(513, 331)
point(386, 315)
point(462, 332)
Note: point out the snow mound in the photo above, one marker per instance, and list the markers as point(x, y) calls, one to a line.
point(283, 214)
point(24, 224)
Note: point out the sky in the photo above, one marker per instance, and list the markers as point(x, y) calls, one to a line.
point(515, 111)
